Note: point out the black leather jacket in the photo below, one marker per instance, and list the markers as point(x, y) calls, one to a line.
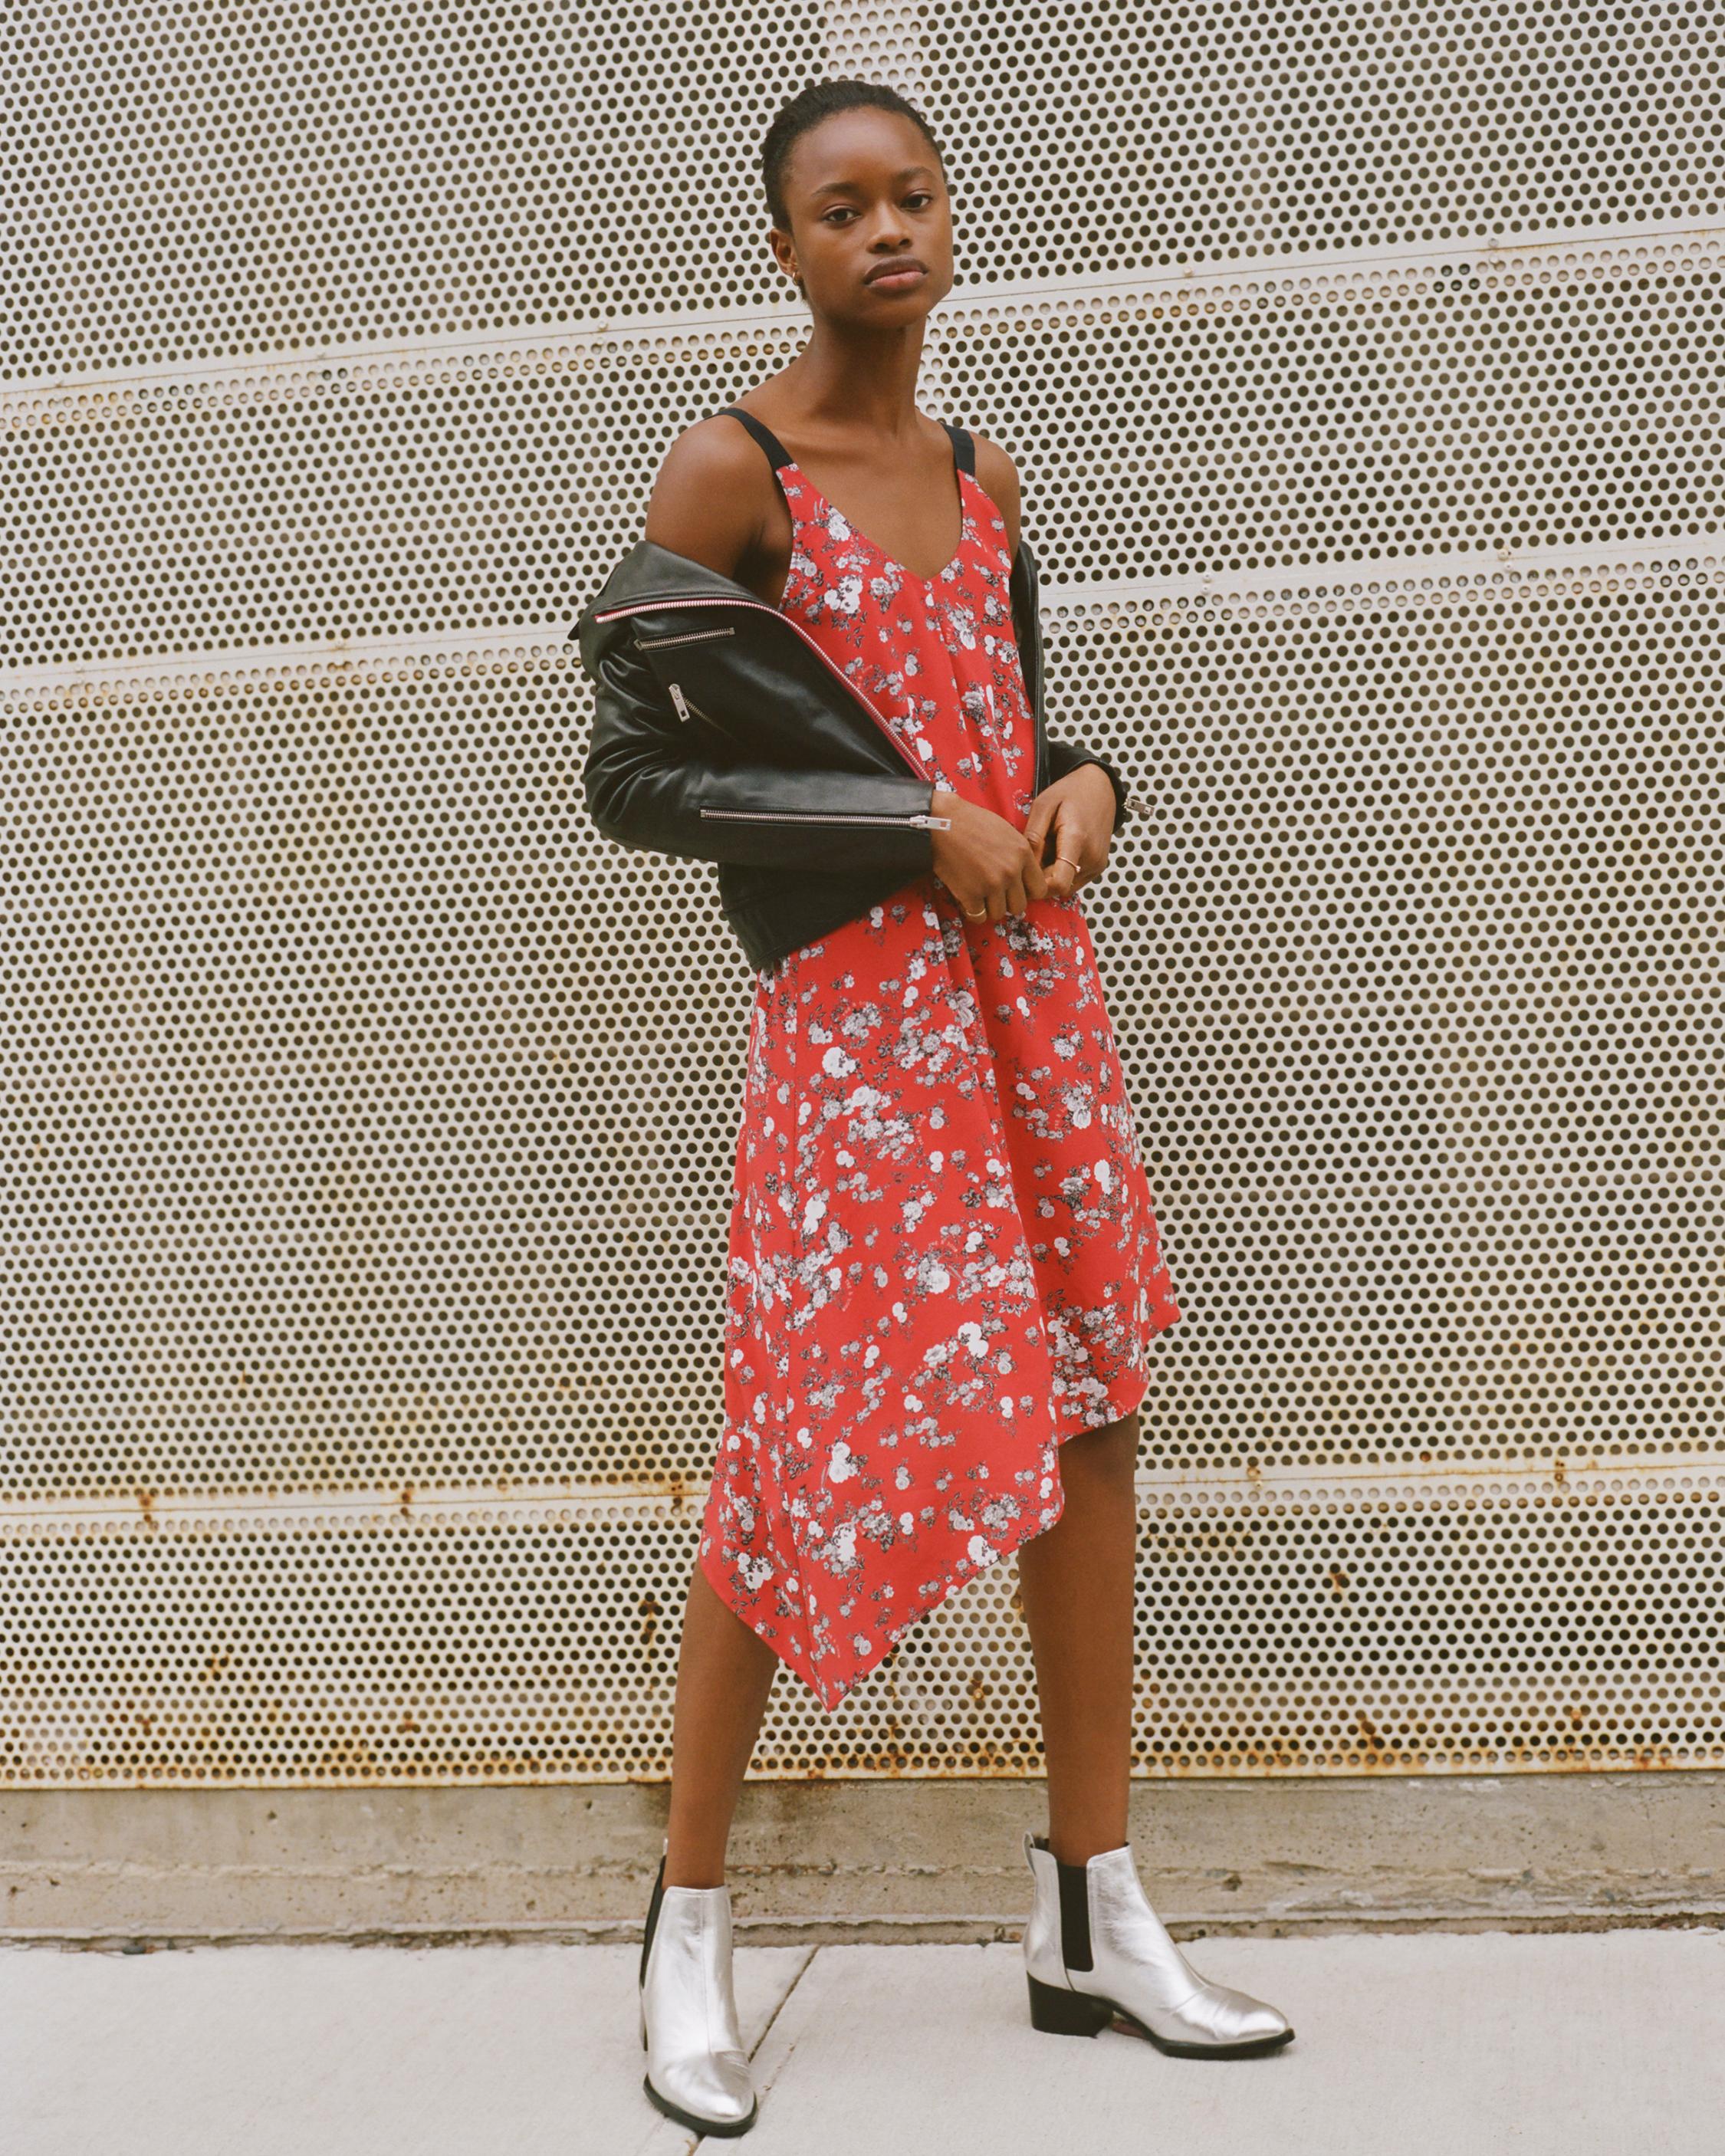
point(723, 732)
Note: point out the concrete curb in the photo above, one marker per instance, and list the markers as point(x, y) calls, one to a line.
point(856, 1862)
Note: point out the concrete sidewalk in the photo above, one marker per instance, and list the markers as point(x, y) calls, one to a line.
point(1467, 2044)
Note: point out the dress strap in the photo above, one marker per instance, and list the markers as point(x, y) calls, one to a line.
point(776, 453)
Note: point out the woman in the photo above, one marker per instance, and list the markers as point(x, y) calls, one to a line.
point(945, 1273)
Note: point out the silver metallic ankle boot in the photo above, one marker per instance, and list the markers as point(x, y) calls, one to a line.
point(1094, 1949)
point(697, 2071)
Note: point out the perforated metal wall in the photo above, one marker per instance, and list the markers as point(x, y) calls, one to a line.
point(368, 1119)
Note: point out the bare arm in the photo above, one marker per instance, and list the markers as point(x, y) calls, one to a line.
point(997, 476)
point(709, 500)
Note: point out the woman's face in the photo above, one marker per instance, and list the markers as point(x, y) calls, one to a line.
point(864, 192)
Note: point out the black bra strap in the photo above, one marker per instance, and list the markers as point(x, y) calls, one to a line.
point(776, 453)
point(963, 448)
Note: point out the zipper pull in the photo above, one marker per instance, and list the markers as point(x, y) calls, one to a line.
point(932, 823)
point(676, 697)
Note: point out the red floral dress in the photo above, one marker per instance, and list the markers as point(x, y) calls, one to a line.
point(943, 1260)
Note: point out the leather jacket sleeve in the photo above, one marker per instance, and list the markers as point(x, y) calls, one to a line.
point(649, 774)
point(1065, 756)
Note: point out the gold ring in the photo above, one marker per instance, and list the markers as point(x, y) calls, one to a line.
point(981, 913)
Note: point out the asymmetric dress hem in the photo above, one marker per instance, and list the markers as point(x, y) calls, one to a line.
point(832, 1696)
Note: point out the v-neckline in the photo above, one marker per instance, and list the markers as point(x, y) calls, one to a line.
point(891, 560)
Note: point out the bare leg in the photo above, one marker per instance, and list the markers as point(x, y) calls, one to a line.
point(725, 1672)
point(1076, 1582)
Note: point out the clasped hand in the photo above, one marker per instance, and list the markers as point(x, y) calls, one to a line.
point(991, 867)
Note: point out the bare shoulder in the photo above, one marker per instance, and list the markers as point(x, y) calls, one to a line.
point(710, 498)
point(998, 477)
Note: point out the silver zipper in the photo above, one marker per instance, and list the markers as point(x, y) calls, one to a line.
point(690, 636)
point(923, 822)
point(760, 606)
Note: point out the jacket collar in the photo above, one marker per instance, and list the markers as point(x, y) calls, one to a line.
point(650, 571)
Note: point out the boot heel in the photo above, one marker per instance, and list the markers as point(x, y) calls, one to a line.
point(1066, 2013)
